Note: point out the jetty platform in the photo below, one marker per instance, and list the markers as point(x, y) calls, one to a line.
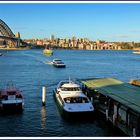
point(118, 101)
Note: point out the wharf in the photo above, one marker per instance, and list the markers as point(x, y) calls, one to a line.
point(119, 101)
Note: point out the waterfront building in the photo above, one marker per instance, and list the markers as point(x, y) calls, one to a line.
point(86, 40)
point(61, 42)
point(74, 42)
point(98, 42)
point(3, 43)
point(39, 42)
point(88, 47)
point(80, 43)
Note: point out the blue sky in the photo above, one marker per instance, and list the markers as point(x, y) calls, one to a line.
point(110, 22)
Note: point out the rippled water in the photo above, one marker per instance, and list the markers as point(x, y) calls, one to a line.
point(29, 70)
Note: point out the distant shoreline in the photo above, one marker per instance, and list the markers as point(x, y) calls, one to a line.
point(14, 49)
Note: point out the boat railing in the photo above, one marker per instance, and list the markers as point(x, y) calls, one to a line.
point(71, 81)
point(11, 86)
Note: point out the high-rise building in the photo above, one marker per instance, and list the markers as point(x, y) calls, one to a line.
point(52, 37)
point(74, 42)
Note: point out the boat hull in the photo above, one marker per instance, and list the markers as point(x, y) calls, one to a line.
point(12, 107)
point(137, 52)
point(48, 52)
point(59, 66)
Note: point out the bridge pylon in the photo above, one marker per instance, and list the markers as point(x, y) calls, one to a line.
point(7, 34)
point(18, 39)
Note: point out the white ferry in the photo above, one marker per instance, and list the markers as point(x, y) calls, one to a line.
point(71, 99)
point(58, 63)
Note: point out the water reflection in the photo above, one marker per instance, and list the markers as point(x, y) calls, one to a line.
point(43, 117)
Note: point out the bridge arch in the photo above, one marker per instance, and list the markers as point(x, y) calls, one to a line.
point(5, 30)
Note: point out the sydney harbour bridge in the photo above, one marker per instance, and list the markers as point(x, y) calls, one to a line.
point(9, 38)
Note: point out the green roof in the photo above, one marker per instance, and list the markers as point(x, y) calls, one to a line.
point(122, 92)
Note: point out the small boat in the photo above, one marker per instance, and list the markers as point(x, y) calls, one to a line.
point(48, 51)
point(1, 54)
point(58, 63)
point(71, 100)
point(11, 99)
point(136, 52)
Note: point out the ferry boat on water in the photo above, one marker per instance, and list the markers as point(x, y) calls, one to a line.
point(48, 51)
point(58, 63)
point(136, 52)
point(11, 99)
point(71, 100)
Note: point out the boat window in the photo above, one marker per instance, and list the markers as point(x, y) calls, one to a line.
point(11, 92)
point(70, 89)
point(67, 100)
point(85, 100)
point(58, 60)
point(60, 63)
point(76, 100)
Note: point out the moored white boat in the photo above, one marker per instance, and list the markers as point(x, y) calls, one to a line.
point(71, 100)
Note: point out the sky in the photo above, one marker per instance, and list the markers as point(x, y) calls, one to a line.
point(103, 21)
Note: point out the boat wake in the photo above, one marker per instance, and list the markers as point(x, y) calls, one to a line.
point(39, 59)
point(48, 62)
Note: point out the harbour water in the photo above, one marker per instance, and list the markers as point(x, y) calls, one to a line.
point(29, 70)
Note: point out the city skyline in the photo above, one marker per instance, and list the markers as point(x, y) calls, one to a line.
point(110, 22)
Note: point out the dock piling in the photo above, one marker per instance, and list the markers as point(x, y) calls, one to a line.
point(92, 100)
point(43, 96)
point(134, 132)
point(106, 112)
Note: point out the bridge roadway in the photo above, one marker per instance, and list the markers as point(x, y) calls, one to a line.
point(9, 38)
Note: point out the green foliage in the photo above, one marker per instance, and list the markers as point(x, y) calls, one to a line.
point(125, 45)
point(136, 45)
